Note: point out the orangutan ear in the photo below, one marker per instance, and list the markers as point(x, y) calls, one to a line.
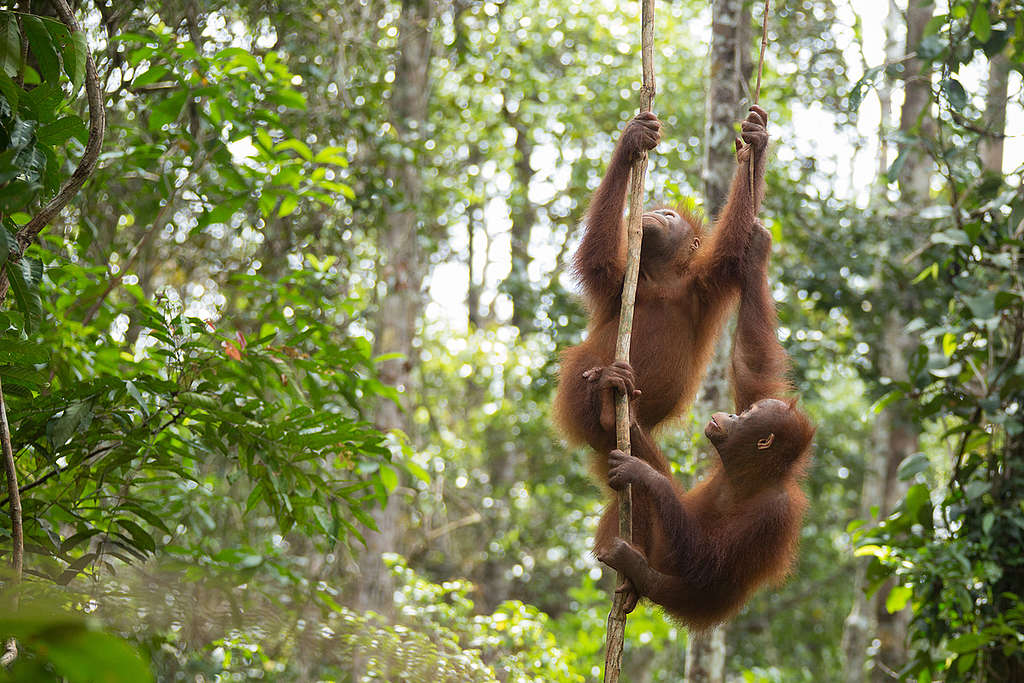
point(695, 244)
point(766, 442)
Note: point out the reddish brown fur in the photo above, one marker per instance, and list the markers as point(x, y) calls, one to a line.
point(683, 297)
point(700, 554)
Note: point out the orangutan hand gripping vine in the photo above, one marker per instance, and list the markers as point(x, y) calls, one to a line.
point(706, 550)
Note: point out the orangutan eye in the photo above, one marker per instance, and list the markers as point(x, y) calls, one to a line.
point(766, 442)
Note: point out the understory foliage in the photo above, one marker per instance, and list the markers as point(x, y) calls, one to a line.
point(955, 545)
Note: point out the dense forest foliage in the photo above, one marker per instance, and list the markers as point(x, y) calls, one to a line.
point(276, 381)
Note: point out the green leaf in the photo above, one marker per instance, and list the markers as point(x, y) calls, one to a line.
point(932, 270)
point(389, 477)
point(289, 203)
point(898, 598)
point(297, 146)
point(75, 58)
point(417, 471)
point(980, 22)
point(952, 370)
point(968, 642)
point(975, 489)
point(139, 535)
point(134, 392)
point(861, 87)
point(951, 236)
point(167, 112)
point(10, 44)
point(151, 75)
point(9, 89)
point(912, 465)
point(955, 93)
point(332, 155)
point(62, 130)
point(43, 48)
point(68, 423)
point(7, 243)
point(26, 293)
point(264, 139)
point(75, 651)
point(949, 344)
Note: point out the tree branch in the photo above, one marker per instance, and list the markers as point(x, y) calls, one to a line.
point(97, 123)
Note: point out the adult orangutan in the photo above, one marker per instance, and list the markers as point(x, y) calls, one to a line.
point(687, 287)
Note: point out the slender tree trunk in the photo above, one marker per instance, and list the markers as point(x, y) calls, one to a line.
point(900, 442)
point(991, 146)
point(914, 178)
point(402, 271)
point(524, 216)
point(729, 72)
point(885, 89)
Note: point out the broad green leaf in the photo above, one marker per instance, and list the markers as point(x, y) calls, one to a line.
point(297, 146)
point(898, 598)
point(289, 203)
point(332, 155)
point(134, 392)
point(9, 89)
point(26, 292)
point(955, 93)
point(913, 464)
point(151, 75)
point(980, 22)
point(167, 112)
point(139, 535)
point(75, 59)
point(10, 44)
point(62, 130)
point(967, 642)
point(43, 47)
point(389, 477)
point(975, 489)
point(949, 344)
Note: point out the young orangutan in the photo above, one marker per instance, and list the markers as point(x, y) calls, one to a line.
point(704, 551)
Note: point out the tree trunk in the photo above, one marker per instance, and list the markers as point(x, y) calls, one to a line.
point(884, 90)
point(899, 441)
point(914, 177)
point(524, 216)
point(705, 658)
point(991, 147)
point(730, 70)
point(402, 270)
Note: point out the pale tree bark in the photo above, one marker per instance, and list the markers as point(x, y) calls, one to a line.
point(900, 432)
point(729, 73)
point(860, 624)
point(885, 88)
point(524, 217)
point(914, 178)
point(402, 270)
point(991, 146)
point(899, 440)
